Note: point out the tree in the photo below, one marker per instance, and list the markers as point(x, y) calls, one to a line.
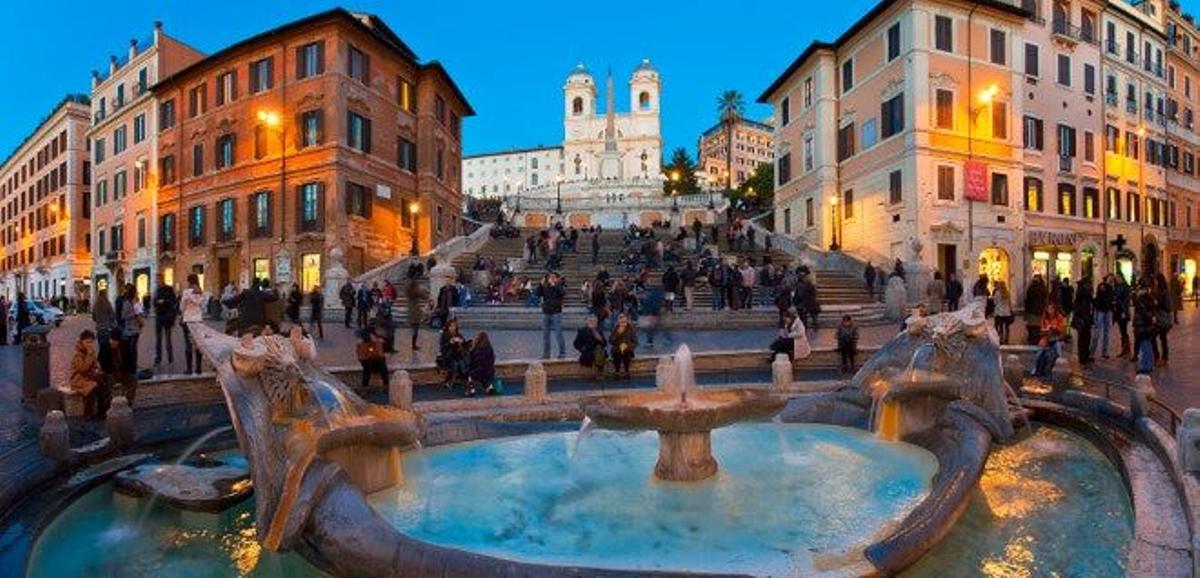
point(762, 183)
point(681, 164)
point(730, 108)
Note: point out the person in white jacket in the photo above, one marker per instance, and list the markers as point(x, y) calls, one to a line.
point(191, 306)
point(793, 338)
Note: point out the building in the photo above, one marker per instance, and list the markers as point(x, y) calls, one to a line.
point(753, 145)
point(1010, 139)
point(612, 146)
point(125, 160)
point(500, 175)
point(1183, 142)
point(321, 145)
point(45, 208)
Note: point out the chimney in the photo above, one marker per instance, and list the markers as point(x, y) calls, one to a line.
point(132, 48)
point(95, 79)
point(158, 30)
point(112, 65)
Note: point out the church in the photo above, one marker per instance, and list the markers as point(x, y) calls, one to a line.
point(607, 171)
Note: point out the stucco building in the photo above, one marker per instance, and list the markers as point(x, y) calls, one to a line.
point(1183, 137)
point(45, 208)
point(753, 145)
point(125, 160)
point(325, 142)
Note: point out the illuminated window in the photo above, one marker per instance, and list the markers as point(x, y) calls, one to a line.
point(310, 271)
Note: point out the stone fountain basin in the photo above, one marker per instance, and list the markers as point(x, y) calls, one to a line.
point(663, 411)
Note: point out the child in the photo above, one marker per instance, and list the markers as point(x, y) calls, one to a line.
point(847, 343)
point(372, 358)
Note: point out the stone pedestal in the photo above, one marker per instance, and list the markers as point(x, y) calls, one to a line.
point(781, 372)
point(1188, 441)
point(535, 382)
point(119, 423)
point(685, 457)
point(896, 299)
point(441, 275)
point(400, 390)
point(54, 439)
point(334, 277)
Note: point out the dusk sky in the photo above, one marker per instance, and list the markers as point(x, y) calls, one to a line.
point(510, 58)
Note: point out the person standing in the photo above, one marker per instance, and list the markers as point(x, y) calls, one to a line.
point(191, 306)
point(129, 328)
point(294, 300)
point(362, 304)
point(1003, 314)
point(1083, 317)
point(3, 320)
point(23, 319)
point(1164, 318)
point(1121, 294)
point(551, 292)
point(1145, 326)
point(670, 281)
point(847, 343)
point(346, 295)
point(595, 248)
point(166, 308)
point(688, 280)
point(697, 230)
point(935, 293)
point(1035, 305)
point(1103, 305)
point(1176, 297)
point(869, 278)
point(374, 362)
point(416, 296)
point(954, 292)
point(316, 312)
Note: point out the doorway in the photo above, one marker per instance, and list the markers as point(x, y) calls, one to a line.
point(947, 259)
point(224, 276)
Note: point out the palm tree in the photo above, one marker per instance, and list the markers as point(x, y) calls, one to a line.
point(730, 107)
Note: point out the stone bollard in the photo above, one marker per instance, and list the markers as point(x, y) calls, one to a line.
point(666, 377)
point(54, 439)
point(119, 423)
point(1061, 373)
point(1139, 396)
point(1188, 440)
point(1014, 372)
point(400, 390)
point(781, 372)
point(535, 382)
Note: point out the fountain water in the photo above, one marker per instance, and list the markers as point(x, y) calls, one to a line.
point(187, 453)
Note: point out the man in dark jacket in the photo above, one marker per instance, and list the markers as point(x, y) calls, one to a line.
point(1035, 305)
point(252, 305)
point(166, 308)
point(552, 293)
point(1102, 303)
point(1084, 313)
point(1121, 300)
point(869, 278)
point(346, 295)
point(954, 291)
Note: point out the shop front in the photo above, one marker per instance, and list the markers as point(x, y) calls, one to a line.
point(1072, 255)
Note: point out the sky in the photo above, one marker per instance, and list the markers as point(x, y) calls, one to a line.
point(510, 58)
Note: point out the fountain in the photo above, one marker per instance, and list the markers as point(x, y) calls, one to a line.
point(683, 416)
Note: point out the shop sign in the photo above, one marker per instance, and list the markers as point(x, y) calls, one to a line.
point(1043, 238)
point(975, 181)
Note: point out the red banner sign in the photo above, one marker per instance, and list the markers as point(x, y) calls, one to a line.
point(975, 181)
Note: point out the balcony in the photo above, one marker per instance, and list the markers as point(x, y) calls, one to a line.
point(1110, 98)
point(1066, 164)
point(1066, 32)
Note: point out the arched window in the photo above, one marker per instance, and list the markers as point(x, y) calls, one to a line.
point(577, 105)
point(644, 101)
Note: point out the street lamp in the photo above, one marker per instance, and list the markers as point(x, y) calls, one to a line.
point(675, 191)
point(833, 221)
point(558, 194)
point(414, 208)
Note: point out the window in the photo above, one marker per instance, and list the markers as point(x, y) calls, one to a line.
point(1112, 138)
point(944, 100)
point(1000, 189)
point(139, 128)
point(577, 106)
point(198, 100)
point(310, 59)
point(166, 169)
point(1064, 70)
point(1114, 204)
point(141, 232)
point(808, 153)
point(196, 226)
point(359, 66)
point(120, 142)
point(870, 134)
point(891, 115)
point(358, 200)
point(1066, 199)
point(847, 76)
point(1089, 79)
point(166, 115)
point(785, 113)
point(845, 144)
point(439, 162)
point(848, 205)
point(893, 42)
point(1066, 141)
point(945, 183)
point(1032, 60)
point(1033, 131)
point(406, 156)
point(311, 125)
point(120, 182)
point(197, 159)
point(1091, 203)
point(225, 151)
point(166, 232)
point(226, 220)
point(784, 170)
point(312, 207)
point(787, 221)
point(809, 216)
point(999, 120)
point(998, 40)
point(405, 96)
point(1034, 198)
point(1089, 146)
point(262, 74)
point(644, 101)
point(260, 214)
point(439, 109)
point(895, 190)
point(358, 133)
point(97, 151)
point(943, 33)
point(808, 92)
point(226, 87)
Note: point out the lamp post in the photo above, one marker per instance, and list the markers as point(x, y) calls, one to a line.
point(413, 209)
point(675, 191)
point(558, 195)
point(833, 218)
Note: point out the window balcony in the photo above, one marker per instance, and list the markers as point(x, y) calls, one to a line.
point(1064, 30)
point(1111, 47)
point(1066, 164)
point(1110, 98)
